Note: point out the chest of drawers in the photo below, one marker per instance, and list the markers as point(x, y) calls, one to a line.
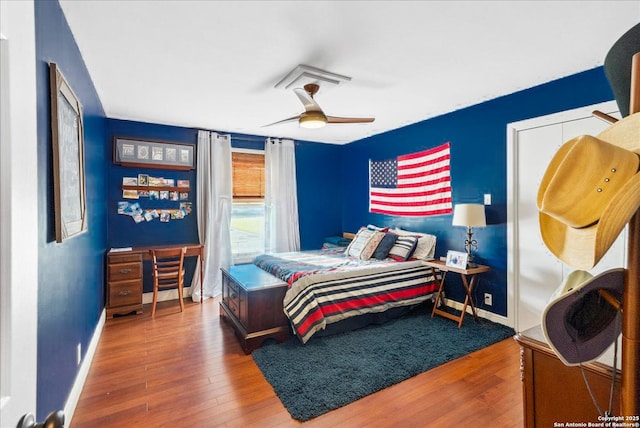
point(124, 283)
point(554, 393)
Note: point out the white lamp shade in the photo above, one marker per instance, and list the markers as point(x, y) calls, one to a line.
point(469, 215)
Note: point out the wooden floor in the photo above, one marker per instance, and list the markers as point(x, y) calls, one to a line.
point(187, 370)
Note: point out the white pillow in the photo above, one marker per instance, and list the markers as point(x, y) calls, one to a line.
point(359, 242)
point(426, 248)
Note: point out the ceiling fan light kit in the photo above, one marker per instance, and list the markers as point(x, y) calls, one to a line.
point(312, 120)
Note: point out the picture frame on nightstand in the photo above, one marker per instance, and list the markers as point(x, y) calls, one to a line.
point(457, 259)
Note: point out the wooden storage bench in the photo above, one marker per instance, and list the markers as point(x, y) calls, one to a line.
point(252, 304)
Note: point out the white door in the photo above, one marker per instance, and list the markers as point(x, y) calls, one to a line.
point(535, 273)
point(18, 212)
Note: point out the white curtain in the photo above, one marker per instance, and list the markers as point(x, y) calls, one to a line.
point(214, 211)
point(281, 201)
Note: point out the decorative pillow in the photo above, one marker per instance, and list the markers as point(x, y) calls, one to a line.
point(371, 245)
point(355, 247)
point(382, 252)
point(426, 248)
point(403, 248)
point(379, 229)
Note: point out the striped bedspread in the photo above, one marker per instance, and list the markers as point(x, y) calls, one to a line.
point(317, 296)
point(292, 266)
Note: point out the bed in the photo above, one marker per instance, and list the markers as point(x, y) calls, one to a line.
point(338, 289)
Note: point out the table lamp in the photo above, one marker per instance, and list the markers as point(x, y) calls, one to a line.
point(469, 215)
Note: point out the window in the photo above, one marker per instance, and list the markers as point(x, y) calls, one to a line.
point(247, 212)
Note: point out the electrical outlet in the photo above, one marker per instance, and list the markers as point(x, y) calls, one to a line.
point(79, 353)
point(488, 299)
point(487, 198)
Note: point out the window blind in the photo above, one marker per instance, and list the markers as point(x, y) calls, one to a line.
point(248, 175)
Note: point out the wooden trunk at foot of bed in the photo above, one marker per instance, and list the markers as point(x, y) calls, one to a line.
point(252, 304)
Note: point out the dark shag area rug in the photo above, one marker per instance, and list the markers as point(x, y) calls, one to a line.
point(333, 371)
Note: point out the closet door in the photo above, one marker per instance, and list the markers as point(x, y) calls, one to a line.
point(535, 273)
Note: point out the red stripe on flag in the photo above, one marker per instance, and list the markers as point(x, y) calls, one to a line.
point(425, 163)
point(424, 174)
point(444, 180)
point(412, 203)
point(412, 213)
point(412, 194)
point(424, 152)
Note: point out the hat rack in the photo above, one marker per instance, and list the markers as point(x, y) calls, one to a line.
point(630, 390)
point(630, 375)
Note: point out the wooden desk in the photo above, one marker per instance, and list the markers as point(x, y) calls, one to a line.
point(193, 250)
point(124, 276)
point(468, 287)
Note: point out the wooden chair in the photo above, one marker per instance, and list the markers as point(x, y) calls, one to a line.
point(168, 272)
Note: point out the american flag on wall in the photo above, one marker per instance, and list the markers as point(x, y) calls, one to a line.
point(418, 184)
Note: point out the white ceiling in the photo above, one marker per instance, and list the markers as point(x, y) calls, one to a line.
point(214, 64)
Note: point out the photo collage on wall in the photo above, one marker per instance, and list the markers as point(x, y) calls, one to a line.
point(154, 188)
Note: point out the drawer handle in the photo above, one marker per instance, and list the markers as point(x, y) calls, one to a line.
point(125, 270)
point(125, 293)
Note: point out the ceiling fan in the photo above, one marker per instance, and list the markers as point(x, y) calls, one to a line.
point(313, 116)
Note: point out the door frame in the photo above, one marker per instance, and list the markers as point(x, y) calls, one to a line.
point(513, 129)
point(19, 213)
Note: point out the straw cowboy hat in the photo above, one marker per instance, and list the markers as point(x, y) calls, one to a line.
point(580, 320)
point(589, 192)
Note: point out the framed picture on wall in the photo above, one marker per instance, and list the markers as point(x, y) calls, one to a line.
point(153, 154)
point(67, 136)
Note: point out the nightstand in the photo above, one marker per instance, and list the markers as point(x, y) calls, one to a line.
point(469, 278)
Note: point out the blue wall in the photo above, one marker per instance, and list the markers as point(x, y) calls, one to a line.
point(319, 196)
point(320, 192)
point(70, 274)
point(123, 231)
point(478, 165)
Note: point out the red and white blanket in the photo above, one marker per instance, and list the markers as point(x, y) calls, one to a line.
point(326, 292)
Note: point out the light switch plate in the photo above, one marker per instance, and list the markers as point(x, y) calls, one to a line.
point(487, 198)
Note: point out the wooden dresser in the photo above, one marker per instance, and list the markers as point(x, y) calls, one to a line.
point(556, 393)
point(124, 283)
point(252, 302)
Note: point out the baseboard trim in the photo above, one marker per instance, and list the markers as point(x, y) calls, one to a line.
point(500, 319)
point(81, 377)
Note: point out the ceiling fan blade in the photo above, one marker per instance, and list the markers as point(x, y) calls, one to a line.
point(289, 119)
point(307, 100)
point(336, 119)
